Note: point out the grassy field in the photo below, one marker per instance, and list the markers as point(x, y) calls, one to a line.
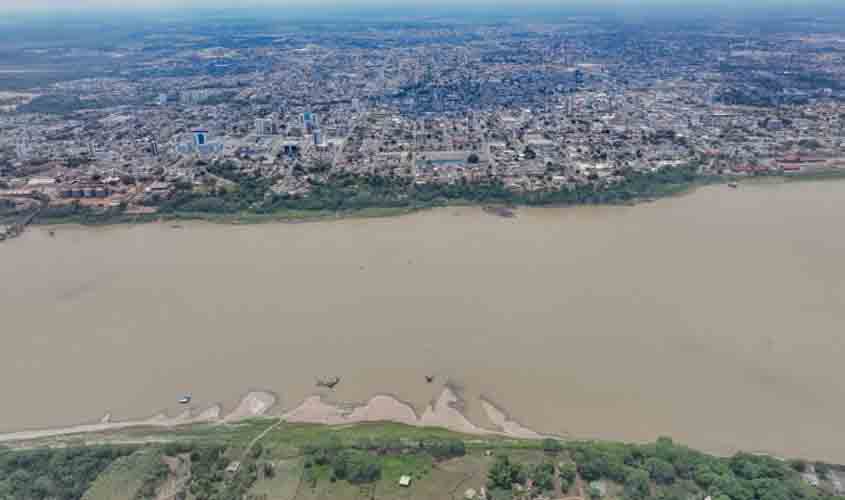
point(126, 476)
point(285, 482)
point(446, 480)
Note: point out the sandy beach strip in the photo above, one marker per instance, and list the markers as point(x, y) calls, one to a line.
point(444, 412)
point(504, 422)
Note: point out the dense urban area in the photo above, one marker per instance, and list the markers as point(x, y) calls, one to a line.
point(283, 120)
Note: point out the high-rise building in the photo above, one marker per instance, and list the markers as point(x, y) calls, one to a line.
point(318, 137)
point(309, 121)
point(162, 99)
point(200, 137)
point(290, 148)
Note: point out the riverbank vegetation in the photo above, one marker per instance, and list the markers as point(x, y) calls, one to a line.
point(64, 474)
point(248, 198)
point(350, 192)
point(262, 460)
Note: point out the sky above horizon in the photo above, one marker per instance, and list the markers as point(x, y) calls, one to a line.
point(24, 5)
point(128, 5)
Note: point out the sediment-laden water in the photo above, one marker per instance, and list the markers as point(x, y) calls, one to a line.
point(716, 318)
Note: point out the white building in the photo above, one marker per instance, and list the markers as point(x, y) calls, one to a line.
point(264, 126)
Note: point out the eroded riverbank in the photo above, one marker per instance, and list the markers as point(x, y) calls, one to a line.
point(444, 412)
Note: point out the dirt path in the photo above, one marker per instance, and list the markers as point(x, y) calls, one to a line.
point(455, 493)
point(558, 484)
point(579, 483)
point(258, 438)
point(180, 475)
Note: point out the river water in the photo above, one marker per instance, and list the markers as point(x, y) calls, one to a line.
point(716, 318)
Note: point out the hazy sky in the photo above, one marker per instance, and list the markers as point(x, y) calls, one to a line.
point(76, 5)
point(129, 4)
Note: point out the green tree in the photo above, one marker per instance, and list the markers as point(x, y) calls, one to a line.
point(636, 486)
point(822, 469)
point(504, 473)
point(704, 476)
point(770, 489)
point(798, 465)
point(362, 468)
point(552, 445)
point(442, 450)
point(593, 466)
point(340, 465)
point(660, 471)
point(542, 475)
point(62, 474)
point(732, 487)
point(568, 473)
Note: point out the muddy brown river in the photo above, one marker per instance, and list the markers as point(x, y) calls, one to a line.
point(716, 318)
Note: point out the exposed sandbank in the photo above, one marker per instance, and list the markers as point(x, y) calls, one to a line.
point(442, 412)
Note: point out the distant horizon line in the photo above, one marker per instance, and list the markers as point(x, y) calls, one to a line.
point(697, 7)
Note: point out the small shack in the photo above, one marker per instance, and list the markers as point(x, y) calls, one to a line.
point(233, 468)
point(405, 481)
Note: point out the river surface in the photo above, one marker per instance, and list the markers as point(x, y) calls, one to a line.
point(716, 318)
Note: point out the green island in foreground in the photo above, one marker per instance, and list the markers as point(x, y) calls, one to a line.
point(269, 459)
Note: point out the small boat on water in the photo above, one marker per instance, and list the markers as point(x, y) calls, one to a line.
point(733, 185)
point(185, 399)
point(328, 383)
